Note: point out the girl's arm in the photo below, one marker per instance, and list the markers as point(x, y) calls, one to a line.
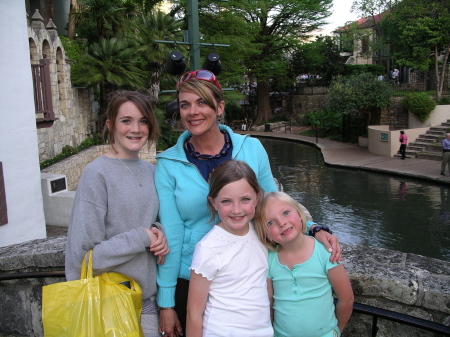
point(197, 297)
point(270, 292)
point(344, 293)
point(158, 245)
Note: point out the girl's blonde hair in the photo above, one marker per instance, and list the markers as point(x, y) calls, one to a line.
point(260, 220)
point(229, 172)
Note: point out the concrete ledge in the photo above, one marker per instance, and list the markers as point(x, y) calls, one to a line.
point(405, 283)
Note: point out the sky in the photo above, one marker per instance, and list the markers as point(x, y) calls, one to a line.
point(341, 14)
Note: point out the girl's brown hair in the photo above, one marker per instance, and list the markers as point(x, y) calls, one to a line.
point(142, 102)
point(260, 219)
point(229, 172)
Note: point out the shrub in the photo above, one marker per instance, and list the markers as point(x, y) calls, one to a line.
point(324, 122)
point(444, 101)
point(75, 51)
point(356, 69)
point(68, 150)
point(278, 118)
point(420, 104)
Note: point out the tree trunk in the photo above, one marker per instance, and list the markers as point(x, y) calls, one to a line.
point(71, 23)
point(440, 74)
point(154, 85)
point(104, 90)
point(264, 111)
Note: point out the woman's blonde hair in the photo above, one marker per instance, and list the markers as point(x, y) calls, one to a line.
point(212, 97)
point(260, 220)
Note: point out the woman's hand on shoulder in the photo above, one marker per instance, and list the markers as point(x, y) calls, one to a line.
point(158, 243)
point(331, 243)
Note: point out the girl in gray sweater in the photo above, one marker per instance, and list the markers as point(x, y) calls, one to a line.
point(116, 205)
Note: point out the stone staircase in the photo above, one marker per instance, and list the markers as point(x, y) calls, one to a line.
point(428, 146)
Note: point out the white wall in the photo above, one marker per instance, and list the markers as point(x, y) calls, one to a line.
point(18, 135)
point(439, 115)
point(379, 145)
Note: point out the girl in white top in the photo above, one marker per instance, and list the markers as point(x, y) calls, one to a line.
point(228, 288)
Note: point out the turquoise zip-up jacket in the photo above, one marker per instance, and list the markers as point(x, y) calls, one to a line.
point(184, 212)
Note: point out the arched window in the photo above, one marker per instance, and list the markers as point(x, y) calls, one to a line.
point(45, 116)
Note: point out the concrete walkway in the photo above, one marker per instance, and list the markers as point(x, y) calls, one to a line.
point(353, 156)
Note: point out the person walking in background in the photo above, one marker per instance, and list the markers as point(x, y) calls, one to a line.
point(396, 76)
point(445, 154)
point(403, 142)
point(116, 205)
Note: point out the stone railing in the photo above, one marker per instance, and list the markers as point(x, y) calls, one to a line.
point(73, 166)
point(405, 283)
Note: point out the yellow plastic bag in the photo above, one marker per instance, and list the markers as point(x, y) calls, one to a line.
point(92, 306)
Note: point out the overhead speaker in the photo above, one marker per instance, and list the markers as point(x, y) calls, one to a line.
point(213, 64)
point(175, 64)
point(171, 109)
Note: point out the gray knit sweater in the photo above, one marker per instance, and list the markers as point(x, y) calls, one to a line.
point(109, 214)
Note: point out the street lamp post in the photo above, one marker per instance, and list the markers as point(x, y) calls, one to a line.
point(193, 36)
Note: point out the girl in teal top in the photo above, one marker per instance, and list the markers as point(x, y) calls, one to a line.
point(301, 277)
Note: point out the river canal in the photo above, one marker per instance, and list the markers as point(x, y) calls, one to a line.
point(365, 208)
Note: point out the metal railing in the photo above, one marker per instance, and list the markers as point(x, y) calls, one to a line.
point(399, 318)
point(365, 309)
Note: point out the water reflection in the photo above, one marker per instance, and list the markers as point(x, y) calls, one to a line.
point(365, 208)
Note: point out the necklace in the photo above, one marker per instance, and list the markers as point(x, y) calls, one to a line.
point(222, 152)
point(139, 182)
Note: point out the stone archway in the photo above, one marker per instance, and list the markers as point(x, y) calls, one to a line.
point(34, 55)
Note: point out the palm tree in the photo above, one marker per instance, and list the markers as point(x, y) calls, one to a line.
point(100, 19)
point(152, 26)
point(110, 64)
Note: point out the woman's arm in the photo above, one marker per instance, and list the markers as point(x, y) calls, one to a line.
point(343, 289)
point(264, 175)
point(170, 217)
point(198, 295)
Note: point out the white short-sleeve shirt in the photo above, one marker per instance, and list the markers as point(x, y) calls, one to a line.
point(238, 303)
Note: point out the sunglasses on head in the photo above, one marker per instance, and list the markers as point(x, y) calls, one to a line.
point(204, 75)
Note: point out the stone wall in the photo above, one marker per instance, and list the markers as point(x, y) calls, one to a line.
point(395, 116)
point(302, 104)
point(74, 108)
point(73, 166)
point(405, 283)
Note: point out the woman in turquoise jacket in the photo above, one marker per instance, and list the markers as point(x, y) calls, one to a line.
point(181, 179)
